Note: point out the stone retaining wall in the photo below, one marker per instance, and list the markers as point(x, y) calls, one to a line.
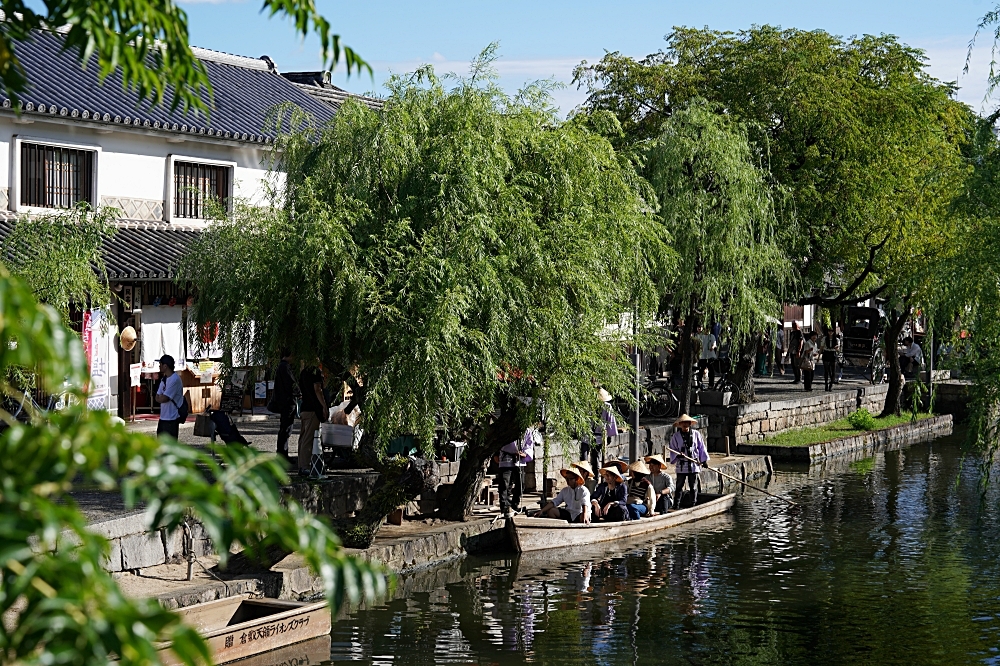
point(337, 496)
point(133, 547)
point(746, 424)
point(868, 442)
point(952, 397)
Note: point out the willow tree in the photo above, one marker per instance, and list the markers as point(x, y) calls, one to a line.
point(462, 248)
point(862, 139)
point(716, 205)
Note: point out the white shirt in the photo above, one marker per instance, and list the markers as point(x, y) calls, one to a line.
point(915, 352)
point(574, 499)
point(174, 390)
point(709, 345)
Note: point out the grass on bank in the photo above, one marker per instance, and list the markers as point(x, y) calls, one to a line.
point(835, 430)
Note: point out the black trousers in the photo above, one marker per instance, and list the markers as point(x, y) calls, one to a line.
point(168, 427)
point(285, 431)
point(694, 483)
point(664, 503)
point(509, 484)
point(807, 378)
point(796, 370)
point(829, 370)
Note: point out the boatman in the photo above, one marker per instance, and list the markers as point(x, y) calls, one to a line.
point(575, 496)
point(687, 453)
point(513, 459)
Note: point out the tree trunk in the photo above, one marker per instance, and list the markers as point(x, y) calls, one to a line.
point(472, 470)
point(687, 360)
point(894, 396)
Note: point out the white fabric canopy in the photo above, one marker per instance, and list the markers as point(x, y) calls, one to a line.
point(160, 334)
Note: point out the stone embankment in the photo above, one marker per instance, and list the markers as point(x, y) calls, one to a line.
point(747, 424)
point(867, 442)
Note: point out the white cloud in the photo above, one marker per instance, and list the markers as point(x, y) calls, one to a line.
point(946, 61)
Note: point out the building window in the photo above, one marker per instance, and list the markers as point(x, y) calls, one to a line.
point(56, 177)
point(195, 185)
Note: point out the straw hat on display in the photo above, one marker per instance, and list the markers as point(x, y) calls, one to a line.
point(604, 395)
point(584, 466)
point(128, 338)
point(613, 471)
point(657, 459)
point(685, 418)
point(638, 467)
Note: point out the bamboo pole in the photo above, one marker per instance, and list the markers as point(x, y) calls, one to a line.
point(733, 478)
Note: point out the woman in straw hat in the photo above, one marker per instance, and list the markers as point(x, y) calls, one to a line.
point(574, 496)
point(640, 497)
point(687, 453)
point(608, 501)
point(661, 483)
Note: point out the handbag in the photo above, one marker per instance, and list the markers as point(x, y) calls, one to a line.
point(805, 363)
point(182, 409)
point(204, 426)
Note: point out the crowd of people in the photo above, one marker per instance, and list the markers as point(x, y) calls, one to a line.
point(626, 491)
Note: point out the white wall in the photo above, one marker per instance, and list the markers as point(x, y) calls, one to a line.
point(133, 164)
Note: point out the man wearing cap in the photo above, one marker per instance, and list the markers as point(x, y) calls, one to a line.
point(169, 395)
point(687, 453)
point(575, 496)
point(662, 484)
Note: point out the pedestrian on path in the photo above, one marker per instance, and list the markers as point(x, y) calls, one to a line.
point(314, 412)
point(170, 396)
point(283, 401)
point(513, 458)
point(686, 443)
point(779, 350)
point(810, 354)
point(830, 346)
point(795, 342)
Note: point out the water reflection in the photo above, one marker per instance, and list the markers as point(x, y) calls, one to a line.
point(891, 561)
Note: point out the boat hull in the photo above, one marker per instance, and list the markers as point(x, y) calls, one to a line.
point(272, 624)
point(530, 534)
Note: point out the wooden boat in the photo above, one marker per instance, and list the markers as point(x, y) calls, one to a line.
point(239, 627)
point(528, 534)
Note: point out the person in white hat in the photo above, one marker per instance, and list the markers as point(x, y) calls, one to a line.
point(609, 499)
point(574, 496)
point(687, 445)
point(662, 484)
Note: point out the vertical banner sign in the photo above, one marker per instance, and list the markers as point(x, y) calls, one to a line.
point(95, 346)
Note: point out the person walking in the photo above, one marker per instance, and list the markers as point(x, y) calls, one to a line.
point(779, 350)
point(707, 360)
point(810, 353)
point(795, 342)
point(283, 401)
point(686, 443)
point(170, 396)
point(513, 458)
point(830, 347)
point(314, 412)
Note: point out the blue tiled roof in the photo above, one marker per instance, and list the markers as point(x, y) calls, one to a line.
point(245, 90)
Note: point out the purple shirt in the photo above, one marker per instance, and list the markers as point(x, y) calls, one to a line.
point(698, 451)
point(509, 454)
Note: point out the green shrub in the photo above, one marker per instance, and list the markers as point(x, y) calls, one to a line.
point(862, 420)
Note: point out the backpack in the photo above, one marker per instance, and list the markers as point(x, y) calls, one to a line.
point(182, 409)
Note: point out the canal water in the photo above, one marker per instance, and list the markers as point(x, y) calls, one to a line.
point(893, 560)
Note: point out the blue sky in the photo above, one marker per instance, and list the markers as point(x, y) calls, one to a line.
point(543, 39)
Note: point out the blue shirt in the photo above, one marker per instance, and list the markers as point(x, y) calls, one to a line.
point(173, 388)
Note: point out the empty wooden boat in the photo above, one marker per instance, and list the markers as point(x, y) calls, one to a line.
point(239, 627)
point(528, 534)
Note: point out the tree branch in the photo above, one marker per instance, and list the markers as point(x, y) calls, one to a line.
point(847, 295)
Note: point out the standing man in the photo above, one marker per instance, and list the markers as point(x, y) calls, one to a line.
point(513, 459)
point(314, 412)
point(830, 347)
point(170, 396)
point(687, 453)
point(795, 342)
point(779, 349)
point(709, 354)
point(283, 401)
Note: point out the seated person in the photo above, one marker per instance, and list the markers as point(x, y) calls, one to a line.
point(640, 493)
point(575, 496)
point(608, 501)
point(912, 357)
point(662, 484)
point(585, 469)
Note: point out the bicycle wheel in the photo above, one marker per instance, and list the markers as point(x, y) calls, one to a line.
point(658, 406)
point(876, 367)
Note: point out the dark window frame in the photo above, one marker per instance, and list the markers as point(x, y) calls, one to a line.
point(195, 183)
point(56, 176)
